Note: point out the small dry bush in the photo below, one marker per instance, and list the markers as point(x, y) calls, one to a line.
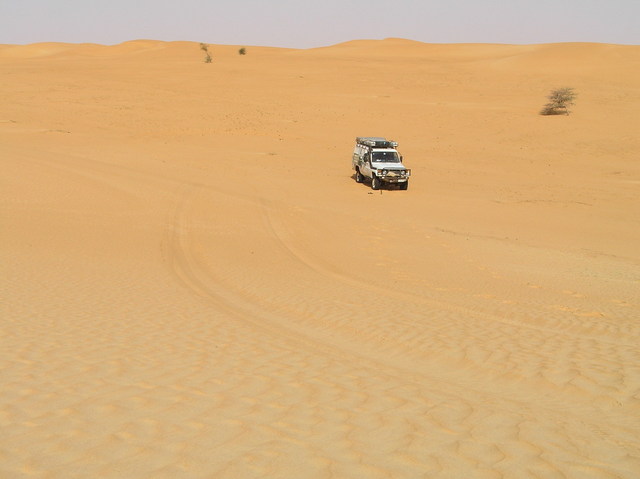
point(205, 48)
point(559, 102)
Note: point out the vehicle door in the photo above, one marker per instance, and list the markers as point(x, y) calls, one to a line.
point(357, 157)
point(365, 166)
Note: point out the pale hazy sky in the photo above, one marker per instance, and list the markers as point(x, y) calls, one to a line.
point(306, 24)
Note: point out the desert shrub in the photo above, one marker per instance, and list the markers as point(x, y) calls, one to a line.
point(242, 51)
point(205, 48)
point(559, 102)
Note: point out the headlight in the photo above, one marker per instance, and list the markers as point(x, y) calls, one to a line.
point(384, 172)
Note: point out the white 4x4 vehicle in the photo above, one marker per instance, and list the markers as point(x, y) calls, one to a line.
point(378, 159)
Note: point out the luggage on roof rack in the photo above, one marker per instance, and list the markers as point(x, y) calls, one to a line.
point(376, 142)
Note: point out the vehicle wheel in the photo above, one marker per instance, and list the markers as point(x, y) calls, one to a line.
point(359, 177)
point(375, 183)
point(404, 186)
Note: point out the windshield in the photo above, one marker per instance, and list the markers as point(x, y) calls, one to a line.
point(385, 157)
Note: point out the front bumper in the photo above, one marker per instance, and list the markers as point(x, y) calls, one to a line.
point(391, 176)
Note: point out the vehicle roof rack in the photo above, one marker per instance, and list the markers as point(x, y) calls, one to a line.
point(376, 142)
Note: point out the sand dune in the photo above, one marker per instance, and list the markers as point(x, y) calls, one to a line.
point(194, 286)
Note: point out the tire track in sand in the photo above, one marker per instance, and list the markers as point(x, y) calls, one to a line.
point(348, 413)
point(494, 344)
point(188, 269)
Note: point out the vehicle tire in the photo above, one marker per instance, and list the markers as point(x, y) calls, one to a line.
point(359, 177)
point(404, 186)
point(375, 183)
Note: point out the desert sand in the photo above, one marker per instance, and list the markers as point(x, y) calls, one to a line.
point(194, 286)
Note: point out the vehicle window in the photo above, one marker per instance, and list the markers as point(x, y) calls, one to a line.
point(385, 157)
